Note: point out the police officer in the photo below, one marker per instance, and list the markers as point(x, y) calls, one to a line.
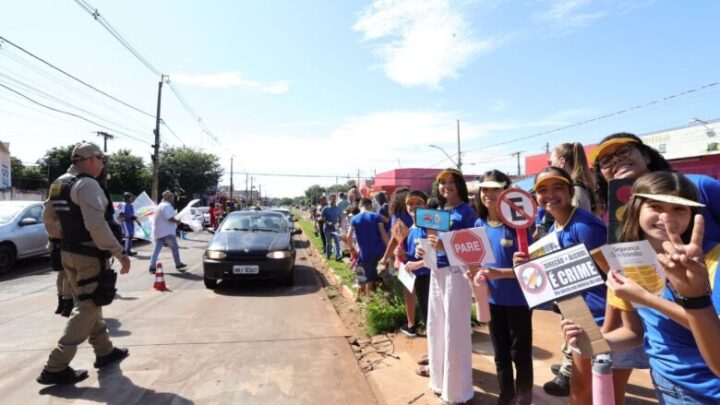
point(89, 237)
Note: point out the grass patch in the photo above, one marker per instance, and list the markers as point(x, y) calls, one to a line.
point(385, 310)
point(340, 268)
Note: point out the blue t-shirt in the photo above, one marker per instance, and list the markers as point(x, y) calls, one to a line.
point(370, 241)
point(415, 234)
point(584, 227)
point(503, 239)
point(708, 192)
point(461, 217)
point(330, 214)
point(673, 352)
point(129, 212)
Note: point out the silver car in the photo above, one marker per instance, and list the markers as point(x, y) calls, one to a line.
point(22, 232)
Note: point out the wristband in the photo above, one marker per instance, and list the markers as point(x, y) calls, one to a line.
point(703, 301)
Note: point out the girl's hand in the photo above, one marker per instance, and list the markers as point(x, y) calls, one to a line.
point(399, 251)
point(419, 252)
point(683, 263)
point(520, 257)
point(435, 242)
point(413, 266)
point(489, 273)
point(472, 271)
point(625, 288)
point(571, 331)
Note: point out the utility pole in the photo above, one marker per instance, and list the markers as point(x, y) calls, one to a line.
point(518, 161)
point(459, 161)
point(231, 177)
point(260, 194)
point(106, 136)
point(547, 147)
point(246, 189)
point(156, 147)
point(251, 189)
point(358, 180)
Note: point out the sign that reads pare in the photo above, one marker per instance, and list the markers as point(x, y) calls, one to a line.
point(557, 275)
point(467, 247)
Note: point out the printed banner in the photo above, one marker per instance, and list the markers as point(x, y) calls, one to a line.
point(432, 219)
point(557, 275)
point(547, 244)
point(638, 262)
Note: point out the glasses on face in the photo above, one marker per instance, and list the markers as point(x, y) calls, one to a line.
point(621, 152)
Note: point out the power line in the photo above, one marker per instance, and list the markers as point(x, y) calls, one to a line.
point(3, 39)
point(171, 131)
point(70, 114)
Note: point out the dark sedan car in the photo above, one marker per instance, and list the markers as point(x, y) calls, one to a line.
point(250, 245)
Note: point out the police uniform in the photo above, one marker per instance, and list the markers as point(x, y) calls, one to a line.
point(84, 212)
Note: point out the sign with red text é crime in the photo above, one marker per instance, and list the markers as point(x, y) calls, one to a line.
point(467, 247)
point(556, 275)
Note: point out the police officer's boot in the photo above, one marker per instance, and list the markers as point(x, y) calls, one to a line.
point(59, 308)
point(67, 306)
point(66, 376)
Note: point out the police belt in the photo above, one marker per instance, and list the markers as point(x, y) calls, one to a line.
point(85, 250)
point(105, 291)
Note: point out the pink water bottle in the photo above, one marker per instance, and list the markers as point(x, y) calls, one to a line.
point(602, 382)
point(480, 291)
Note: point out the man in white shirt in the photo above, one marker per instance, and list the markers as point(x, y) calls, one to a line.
point(164, 231)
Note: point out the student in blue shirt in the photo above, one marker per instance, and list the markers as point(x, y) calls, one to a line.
point(371, 239)
point(449, 343)
point(664, 210)
point(511, 319)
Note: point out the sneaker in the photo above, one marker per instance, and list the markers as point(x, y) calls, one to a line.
point(66, 376)
point(132, 253)
point(151, 270)
point(181, 267)
point(116, 354)
point(555, 369)
point(424, 360)
point(423, 371)
point(408, 330)
point(559, 387)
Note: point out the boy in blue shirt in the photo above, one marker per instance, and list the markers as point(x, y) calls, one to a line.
point(372, 241)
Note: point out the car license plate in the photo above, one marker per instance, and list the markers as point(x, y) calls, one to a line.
point(246, 269)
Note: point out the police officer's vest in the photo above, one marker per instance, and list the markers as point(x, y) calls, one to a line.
point(71, 219)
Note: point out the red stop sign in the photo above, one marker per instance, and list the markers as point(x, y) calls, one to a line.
point(468, 247)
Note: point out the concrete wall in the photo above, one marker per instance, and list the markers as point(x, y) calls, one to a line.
point(22, 195)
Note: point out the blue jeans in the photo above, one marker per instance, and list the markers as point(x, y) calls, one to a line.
point(670, 394)
point(159, 243)
point(332, 237)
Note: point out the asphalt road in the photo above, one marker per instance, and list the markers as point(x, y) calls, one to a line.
point(240, 344)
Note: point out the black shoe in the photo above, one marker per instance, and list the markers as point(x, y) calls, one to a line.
point(132, 253)
point(555, 368)
point(66, 376)
point(151, 270)
point(408, 330)
point(59, 308)
point(559, 387)
point(68, 305)
point(116, 354)
point(181, 267)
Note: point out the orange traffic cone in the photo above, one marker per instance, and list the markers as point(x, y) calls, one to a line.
point(160, 279)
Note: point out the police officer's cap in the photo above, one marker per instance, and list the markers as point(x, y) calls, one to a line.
point(128, 194)
point(86, 150)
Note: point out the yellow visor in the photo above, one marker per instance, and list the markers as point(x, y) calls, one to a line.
point(542, 179)
point(593, 155)
point(671, 199)
point(492, 184)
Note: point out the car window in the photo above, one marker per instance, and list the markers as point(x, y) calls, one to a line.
point(34, 212)
point(8, 212)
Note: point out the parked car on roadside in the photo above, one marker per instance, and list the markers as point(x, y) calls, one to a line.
point(251, 245)
point(22, 232)
point(288, 215)
point(205, 216)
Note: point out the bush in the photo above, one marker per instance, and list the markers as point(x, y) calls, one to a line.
point(385, 310)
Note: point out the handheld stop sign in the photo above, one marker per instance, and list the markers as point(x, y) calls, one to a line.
point(517, 209)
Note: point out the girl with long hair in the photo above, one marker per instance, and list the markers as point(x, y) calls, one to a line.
point(664, 210)
point(571, 157)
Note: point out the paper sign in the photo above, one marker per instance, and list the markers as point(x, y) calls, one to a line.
point(145, 213)
point(185, 216)
point(619, 191)
point(638, 262)
point(432, 219)
point(517, 208)
point(400, 231)
point(557, 275)
point(468, 247)
point(430, 256)
point(547, 244)
point(407, 278)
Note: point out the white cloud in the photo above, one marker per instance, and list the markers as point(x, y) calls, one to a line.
point(566, 16)
point(230, 79)
point(498, 105)
point(422, 42)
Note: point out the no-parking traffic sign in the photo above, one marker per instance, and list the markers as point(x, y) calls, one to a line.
point(517, 208)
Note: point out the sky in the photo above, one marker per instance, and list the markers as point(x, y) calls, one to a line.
point(316, 92)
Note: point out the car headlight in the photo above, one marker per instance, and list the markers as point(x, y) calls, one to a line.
point(280, 254)
point(215, 255)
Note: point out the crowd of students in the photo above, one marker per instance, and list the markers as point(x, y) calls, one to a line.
point(672, 333)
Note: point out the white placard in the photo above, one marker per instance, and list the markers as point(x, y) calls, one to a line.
point(430, 256)
point(185, 216)
point(406, 277)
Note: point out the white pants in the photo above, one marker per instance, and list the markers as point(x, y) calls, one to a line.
point(448, 334)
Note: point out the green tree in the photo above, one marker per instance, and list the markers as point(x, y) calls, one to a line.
point(27, 177)
point(194, 171)
point(314, 192)
point(58, 159)
point(128, 173)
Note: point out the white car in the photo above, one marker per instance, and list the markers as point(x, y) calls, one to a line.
point(22, 232)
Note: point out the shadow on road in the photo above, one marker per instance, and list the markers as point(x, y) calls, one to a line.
point(186, 276)
point(113, 326)
point(304, 283)
point(115, 389)
point(27, 267)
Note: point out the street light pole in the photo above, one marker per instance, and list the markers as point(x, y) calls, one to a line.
point(231, 177)
point(446, 154)
point(459, 161)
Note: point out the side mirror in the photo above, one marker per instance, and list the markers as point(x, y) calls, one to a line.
point(212, 231)
point(296, 231)
point(28, 221)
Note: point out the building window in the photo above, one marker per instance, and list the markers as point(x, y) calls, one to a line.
point(712, 147)
point(662, 148)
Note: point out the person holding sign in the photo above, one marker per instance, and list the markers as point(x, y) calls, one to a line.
point(511, 319)
point(449, 333)
point(554, 191)
point(661, 211)
point(372, 239)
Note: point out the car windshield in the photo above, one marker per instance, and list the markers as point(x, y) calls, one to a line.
point(8, 212)
point(257, 222)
